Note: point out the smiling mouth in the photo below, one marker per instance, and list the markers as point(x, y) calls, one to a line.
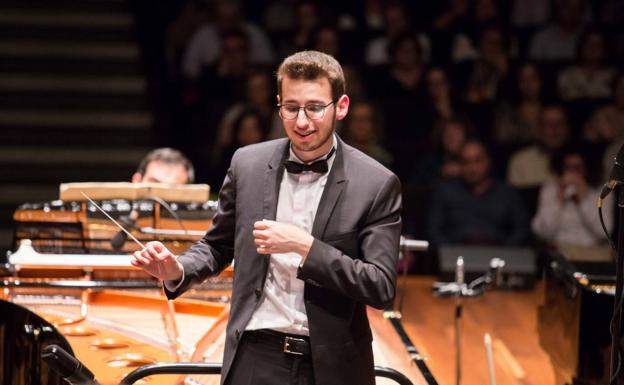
point(305, 134)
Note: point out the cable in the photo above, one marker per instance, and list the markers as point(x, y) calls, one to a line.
point(620, 302)
point(604, 228)
point(171, 211)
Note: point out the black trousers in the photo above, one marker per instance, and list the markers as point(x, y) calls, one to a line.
point(258, 362)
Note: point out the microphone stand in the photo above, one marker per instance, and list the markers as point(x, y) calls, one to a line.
point(460, 289)
point(617, 371)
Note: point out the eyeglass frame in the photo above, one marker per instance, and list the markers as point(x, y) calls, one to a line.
point(305, 112)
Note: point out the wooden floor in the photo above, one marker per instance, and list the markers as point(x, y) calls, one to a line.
point(510, 317)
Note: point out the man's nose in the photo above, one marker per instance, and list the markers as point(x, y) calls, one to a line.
point(302, 118)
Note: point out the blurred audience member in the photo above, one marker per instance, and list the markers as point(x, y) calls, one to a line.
point(204, 47)
point(397, 22)
point(607, 123)
point(248, 128)
point(558, 41)
point(397, 88)
point(566, 213)
point(164, 165)
point(475, 208)
point(259, 97)
point(440, 96)
point(326, 40)
point(591, 78)
point(443, 160)
point(483, 15)
point(479, 79)
point(529, 13)
point(530, 167)
point(363, 130)
point(517, 119)
point(307, 19)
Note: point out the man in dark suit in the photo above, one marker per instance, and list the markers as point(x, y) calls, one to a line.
point(313, 226)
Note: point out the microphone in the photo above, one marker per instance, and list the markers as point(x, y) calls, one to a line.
point(616, 177)
point(63, 363)
point(129, 222)
point(569, 193)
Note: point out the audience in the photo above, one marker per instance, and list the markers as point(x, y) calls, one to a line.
point(475, 208)
point(204, 47)
point(591, 78)
point(566, 213)
point(530, 166)
point(530, 76)
point(558, 41)
point(517, 117)
point(363, 130)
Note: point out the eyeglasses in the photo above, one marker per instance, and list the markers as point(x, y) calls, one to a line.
point(290, 111)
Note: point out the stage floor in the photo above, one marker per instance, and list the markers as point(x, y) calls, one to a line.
point(510, 317)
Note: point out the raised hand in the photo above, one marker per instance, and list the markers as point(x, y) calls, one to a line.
point(158, 261)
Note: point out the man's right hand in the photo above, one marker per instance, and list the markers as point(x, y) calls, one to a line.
point(158, 261)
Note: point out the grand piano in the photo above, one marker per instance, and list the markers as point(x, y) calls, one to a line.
point(573, 322)
point(65, 283)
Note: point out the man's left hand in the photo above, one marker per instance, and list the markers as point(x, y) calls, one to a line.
point(276, 237)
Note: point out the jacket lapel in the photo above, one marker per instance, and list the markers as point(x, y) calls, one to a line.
point(272, 179)
point(331, 193)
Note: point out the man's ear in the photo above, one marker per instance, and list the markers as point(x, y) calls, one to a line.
point(137, 178)
point(342, 107)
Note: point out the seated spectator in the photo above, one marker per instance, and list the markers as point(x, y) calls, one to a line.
point(566, 212)
point(164, 165)
point(327, 40)
point(248, 128)
point(530, 166)
point(591, 77)
point(307, 19)
point(205, 45)
point(259, 97)
point(443, 160)
point(476, 209)
point(479, 79)
point(363, 130)
point(557, 42)
point(517, 119)
point(440, 97)
point(397, 22)
point(607, 123)
point(397, 89)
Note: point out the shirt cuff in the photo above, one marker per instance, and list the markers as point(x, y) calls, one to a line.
point(173, 285)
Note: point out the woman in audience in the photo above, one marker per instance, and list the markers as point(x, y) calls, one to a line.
point(442, 161)
point(591, 76)
point(566, 213)
point(363, 131)
point(607, 123)
point(517, 119)
point(440, 97)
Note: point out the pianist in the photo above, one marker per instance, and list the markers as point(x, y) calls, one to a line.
point(165, 165)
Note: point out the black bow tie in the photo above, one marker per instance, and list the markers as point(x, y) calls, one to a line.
point(320, 166)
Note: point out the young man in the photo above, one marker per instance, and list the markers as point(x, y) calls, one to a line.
point(165, 165)
point(314, 226)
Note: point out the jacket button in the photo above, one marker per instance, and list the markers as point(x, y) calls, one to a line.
point(258, 292)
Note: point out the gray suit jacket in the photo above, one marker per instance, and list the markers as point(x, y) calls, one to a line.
point(351, 264)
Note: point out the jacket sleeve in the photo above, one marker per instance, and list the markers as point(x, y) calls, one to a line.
point(370, 279)
point(214, 252)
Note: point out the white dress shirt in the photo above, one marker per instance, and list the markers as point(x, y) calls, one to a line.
point(281, 305)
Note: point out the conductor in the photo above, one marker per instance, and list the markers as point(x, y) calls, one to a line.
point(313, 225)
